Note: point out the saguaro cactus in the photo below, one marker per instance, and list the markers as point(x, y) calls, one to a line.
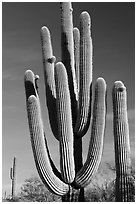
point(68, 94)
point(13, 179)
point(121, 142)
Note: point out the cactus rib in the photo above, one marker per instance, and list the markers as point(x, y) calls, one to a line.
point(83, 117)
point(121, 142)
point(64, 123)
point(76, 36)
point(91, 165)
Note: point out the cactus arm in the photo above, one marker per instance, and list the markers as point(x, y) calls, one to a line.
point(38, 141)
point(76, 36)
point(84, 176)
point(55, 170)
point(67, 45)
point(48, 59)
point(64, 123)
point(48, 65)
point(39, 149)
point(77, 140)
point(121, 142)
point(83, 117)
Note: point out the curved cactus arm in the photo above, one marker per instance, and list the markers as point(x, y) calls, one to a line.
point(64, 123)
point(55, 170)
point(83, 117)
point(48, 65)
point(40, 151)
point(121, 142)
point(76, 36)
point(32, 89)
point(67, 45)
point(84, 176)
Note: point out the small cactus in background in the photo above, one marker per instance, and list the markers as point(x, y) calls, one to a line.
point(68, 95)
point(13, 179)
point(121, 143)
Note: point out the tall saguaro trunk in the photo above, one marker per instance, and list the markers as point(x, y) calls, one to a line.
point(122, 146)
point(76, 195)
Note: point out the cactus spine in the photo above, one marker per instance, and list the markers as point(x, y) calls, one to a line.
point(68, 95)
point(121, 142)
point(13, 179)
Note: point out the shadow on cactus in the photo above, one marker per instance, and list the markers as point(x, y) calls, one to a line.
point(68, 86)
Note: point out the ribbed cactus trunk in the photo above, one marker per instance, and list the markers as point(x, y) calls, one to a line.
point(64, 124)
point(13, 179)
point(121, 141)
point(68, 86)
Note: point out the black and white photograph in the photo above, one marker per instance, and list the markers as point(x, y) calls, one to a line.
point(68, 101)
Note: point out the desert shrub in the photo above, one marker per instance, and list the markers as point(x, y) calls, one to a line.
point(106, 192)
point(103, 193)
point(33, 190)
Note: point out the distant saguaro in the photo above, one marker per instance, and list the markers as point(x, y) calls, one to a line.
point(13, 179)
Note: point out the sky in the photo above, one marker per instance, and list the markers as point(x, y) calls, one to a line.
point(113, 34)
